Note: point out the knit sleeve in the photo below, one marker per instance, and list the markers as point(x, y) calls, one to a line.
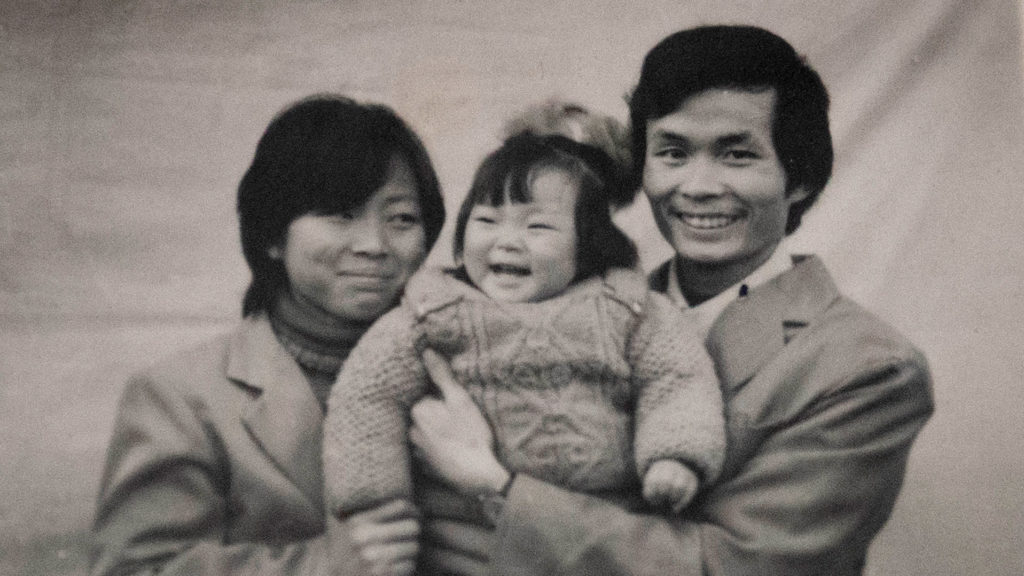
point(365, 450)
point(679, 409)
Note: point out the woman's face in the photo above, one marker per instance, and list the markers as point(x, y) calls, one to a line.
point(354, 265)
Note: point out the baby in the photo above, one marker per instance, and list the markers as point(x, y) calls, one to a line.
point(588, 379)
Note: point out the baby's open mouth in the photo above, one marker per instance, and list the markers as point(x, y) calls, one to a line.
point(510, 269)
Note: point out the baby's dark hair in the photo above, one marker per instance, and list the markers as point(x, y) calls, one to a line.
point(508, 173)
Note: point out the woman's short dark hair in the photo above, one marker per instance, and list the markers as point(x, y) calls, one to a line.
point(747, 58)
point(325, 154)
point(509, 172)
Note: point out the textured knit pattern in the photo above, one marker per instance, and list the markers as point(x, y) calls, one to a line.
point(318, 344)
point(559, 381)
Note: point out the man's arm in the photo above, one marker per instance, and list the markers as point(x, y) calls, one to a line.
point(808, 501)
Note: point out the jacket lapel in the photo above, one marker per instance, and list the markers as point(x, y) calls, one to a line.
point(286, 420)
point(753, 329)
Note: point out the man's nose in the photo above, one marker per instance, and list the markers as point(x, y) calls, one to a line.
point(701, 178)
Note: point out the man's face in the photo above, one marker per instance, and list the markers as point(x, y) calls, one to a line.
point(716, 186)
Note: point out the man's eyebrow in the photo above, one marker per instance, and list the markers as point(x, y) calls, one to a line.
point(670, 136)
point(734, 138)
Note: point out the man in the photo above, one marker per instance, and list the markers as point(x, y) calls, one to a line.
point(823, 400)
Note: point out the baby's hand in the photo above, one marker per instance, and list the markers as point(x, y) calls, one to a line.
point(669, 484)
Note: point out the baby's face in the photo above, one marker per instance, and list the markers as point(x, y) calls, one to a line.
point(525, 252)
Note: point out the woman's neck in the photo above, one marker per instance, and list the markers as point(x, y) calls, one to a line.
point(317, 340)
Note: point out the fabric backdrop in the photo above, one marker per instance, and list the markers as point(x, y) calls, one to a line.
point(127, 125)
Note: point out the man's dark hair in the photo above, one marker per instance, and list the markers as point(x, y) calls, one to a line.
point(324, 155)
point(745, 58)
point(507, 174)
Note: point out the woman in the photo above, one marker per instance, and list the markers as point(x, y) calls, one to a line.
point(214, 466)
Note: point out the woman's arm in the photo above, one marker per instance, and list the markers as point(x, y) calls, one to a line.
point(163, 505)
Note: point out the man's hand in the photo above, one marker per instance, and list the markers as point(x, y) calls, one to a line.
point(387, 538)
point(669, 485)
point(451, 436)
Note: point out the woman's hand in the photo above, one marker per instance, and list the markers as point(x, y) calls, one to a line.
point(451, 436)
point(387, 538)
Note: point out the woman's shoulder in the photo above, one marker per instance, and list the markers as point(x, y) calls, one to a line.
point(192, 369)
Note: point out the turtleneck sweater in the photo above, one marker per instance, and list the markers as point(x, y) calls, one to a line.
point(320, 343)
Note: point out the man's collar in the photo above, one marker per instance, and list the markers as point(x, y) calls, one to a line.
point(706, 312)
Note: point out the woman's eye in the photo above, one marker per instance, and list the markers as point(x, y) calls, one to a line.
point(483, 219)
point(405, 219)
point(341, 217)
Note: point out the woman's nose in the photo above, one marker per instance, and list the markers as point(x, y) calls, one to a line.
point(369, 237)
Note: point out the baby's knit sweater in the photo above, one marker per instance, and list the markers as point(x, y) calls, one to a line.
point(585, 389)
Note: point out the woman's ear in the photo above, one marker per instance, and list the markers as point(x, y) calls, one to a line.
point(275, 252)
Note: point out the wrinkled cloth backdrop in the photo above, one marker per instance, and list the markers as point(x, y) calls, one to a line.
point(126, 127)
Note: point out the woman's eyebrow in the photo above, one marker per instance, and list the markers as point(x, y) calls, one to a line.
point(400, 197)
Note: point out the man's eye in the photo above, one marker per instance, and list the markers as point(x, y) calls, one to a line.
point(673, 153)
point(740, 154)
point(540, 226)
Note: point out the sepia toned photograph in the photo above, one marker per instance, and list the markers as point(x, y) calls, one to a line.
point(514, 288)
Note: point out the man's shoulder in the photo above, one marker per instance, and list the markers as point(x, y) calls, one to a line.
point(809, 281)
point(847, 337)
point(852, 327)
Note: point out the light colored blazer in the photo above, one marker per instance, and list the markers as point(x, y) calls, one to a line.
point(823, 402)
point(214, 467)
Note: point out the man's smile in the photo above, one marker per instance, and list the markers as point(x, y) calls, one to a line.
point(706, 220)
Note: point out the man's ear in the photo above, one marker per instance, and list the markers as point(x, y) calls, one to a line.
point(797, 194)
point(275, 252)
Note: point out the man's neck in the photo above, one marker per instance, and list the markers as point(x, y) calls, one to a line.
point(700, 282)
